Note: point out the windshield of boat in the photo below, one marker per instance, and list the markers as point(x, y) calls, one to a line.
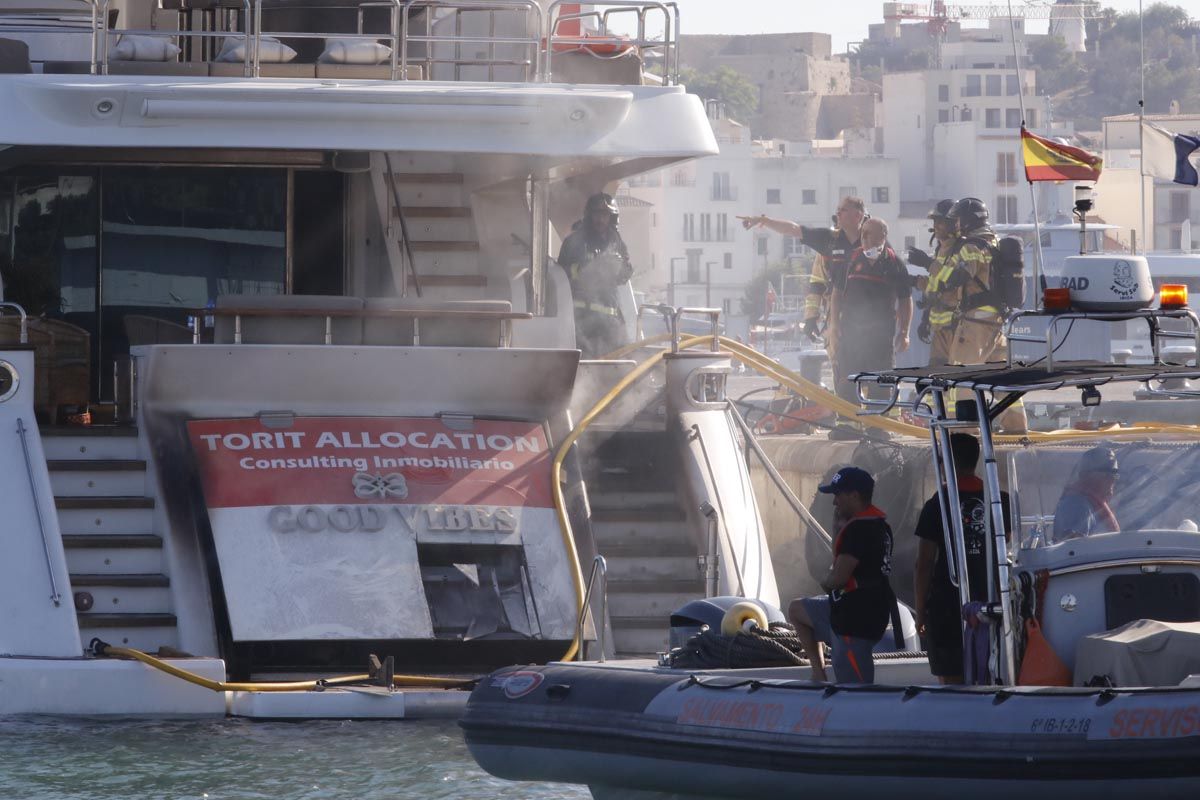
point(1064, 493)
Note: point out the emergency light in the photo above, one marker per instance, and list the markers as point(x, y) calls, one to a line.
point(1173, 295)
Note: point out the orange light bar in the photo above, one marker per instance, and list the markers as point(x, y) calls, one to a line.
point(1056, 299)
point(1173, 295)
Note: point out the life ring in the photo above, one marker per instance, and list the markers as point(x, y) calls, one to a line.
point(602, 46)
point(743, 617)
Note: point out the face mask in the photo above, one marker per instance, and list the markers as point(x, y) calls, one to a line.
point(873, 252)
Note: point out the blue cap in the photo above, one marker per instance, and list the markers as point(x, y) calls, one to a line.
point(849, 479)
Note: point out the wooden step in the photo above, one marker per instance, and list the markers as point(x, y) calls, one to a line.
point(455, 178)
point(116, 541)
point(435, 212)
point(98, 465)
point(116, 579)
point(658, 513)
point(459, 281)
point(90, 503)
point(137, 620)
point(445, 247)
point(642, 587)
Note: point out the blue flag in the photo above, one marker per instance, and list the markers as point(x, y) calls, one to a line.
point(1169, 155)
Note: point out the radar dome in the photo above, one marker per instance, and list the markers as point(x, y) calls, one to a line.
point(1108, 282)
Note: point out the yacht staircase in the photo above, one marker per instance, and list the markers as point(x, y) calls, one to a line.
point(106, 512)
point(440, 222)
point(642, 531)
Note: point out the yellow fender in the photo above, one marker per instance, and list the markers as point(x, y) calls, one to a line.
point(741, 617)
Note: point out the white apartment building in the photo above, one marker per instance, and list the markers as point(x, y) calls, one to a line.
point(956, 130)
point(700, 255)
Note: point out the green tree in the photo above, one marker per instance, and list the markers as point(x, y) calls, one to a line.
point(727, 86)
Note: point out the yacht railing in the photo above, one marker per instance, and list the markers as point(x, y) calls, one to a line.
point(420, 31)
point(24, 334)
point(458, 9)
point(599, 569)
point(608, 40)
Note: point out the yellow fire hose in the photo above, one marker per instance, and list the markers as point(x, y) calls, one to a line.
point(280, 686)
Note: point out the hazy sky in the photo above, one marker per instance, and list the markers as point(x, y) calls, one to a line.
point(846, 20)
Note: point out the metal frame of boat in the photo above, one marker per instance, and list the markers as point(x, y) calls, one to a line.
point(454, 165)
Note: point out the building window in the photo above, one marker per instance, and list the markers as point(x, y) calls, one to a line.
point(1012, 117)
point(1011, 86)
point(943, 93)
point(910, 242)
point(689, 227)
point(918, 121)
point(991, 118)
point(973, 87)
point(773, 198)
point(847, 191)
point(726, 306)
point(966, 114)
point(1006, 168)
point(1006, 208)
point(706, 227)
point(879, 194)
point(693, 266)
point(994, 83)
point(729, 261)
point(653, 219)
point(721, 190)
point(1181, 207)
point(793, 247)
point(1031, 117)
point(808, 197)
point(943, 115)
point(760, 246)
point(723, 234)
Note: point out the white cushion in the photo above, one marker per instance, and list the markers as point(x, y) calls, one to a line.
point(354, 51)
point(270, 51)
point(143, 48)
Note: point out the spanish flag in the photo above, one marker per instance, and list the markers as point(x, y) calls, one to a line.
point(1050, 161)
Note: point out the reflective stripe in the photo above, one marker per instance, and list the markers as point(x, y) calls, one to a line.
point(599, 308)
point(940, 318)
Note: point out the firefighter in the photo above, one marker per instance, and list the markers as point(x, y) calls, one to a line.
point(597, 264)
point(939, 304)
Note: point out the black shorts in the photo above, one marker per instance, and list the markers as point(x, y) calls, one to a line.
point(943, 634)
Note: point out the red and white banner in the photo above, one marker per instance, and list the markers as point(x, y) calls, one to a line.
point(342, 460)
point(317, 525)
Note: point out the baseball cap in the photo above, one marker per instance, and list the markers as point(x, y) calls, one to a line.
point(1098, 459)
point(849, 479)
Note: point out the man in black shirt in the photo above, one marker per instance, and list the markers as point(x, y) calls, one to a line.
point(939, 617)
point(597, 264)
point(853, 616)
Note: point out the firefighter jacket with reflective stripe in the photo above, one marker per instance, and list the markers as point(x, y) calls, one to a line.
point(943, 303)
point(976, 260)
point(818, 290)
point(596, 265)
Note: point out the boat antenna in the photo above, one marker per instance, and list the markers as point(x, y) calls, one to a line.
point(1142, 124)
point(1038, 277)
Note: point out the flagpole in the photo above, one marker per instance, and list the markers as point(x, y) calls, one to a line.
point(1037, 225)
point(1142, 123)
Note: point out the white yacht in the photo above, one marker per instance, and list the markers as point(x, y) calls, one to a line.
point(288, 372)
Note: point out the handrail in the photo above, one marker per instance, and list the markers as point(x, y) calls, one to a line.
point(776, 478)
point(55, 596)
point(460, 6)
point(714, 315)
point(599, 567)
point(712, 552)
point(23, 336)
point(407, 241)
point(1150, 315)
point(100, 48)
point(669, 43)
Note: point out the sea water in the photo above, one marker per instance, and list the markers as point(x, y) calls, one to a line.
point(232, 759)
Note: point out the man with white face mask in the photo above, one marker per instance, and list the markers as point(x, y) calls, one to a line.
point(874, 310)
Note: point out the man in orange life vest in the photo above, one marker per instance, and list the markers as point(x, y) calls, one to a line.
point(854, 615)
point(1083, 508)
